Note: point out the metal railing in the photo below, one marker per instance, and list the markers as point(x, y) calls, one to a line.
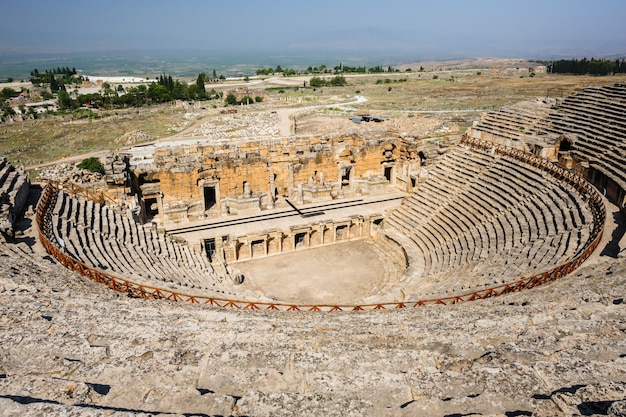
point(596, 204)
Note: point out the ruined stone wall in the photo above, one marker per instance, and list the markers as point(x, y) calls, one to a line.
point(292, 161)
point(180, 185)
point(274, 242)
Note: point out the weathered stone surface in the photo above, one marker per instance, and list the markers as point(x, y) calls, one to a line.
point(14, 187)
point(73, 347)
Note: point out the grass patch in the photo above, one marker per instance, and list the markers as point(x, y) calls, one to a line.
point(83, 131)
point(52, 137)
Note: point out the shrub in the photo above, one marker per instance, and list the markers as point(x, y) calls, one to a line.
point(231, 100)
point(92, 164)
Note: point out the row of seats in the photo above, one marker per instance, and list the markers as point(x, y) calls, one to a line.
point(516, 121)
point(482, 219)
point(13, 195)
point(594, 119)
point(106, 240)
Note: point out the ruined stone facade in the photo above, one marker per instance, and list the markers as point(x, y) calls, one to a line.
point(193, 182)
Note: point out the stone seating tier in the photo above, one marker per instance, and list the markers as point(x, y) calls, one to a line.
point(14, 187)
point(501, 220)
point(594, 119)
point(106, 240)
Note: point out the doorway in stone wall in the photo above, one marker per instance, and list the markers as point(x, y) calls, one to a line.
point(209, 198)
point(388, 171)
point(209, 248)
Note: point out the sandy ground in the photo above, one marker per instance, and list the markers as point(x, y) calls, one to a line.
point(318, 275)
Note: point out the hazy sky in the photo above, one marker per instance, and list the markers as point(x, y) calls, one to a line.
point(528, 28)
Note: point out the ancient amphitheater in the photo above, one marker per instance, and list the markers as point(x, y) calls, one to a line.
point(344, 274)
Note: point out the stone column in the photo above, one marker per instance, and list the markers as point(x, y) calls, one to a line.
point(300, 198)
point(290, 180)
point(270, 201)
point(279, 238)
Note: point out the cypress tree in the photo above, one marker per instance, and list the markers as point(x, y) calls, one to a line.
point(54, 86)
point(200, 85)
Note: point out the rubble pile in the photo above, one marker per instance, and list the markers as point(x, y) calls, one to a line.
point(240, 125)
point(116, 169)
point(14, 186)
point(69, 172)
point(136, 136)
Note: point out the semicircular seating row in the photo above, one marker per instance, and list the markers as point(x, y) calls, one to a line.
point(595, 118)
point(480, 220)
point(105, 240)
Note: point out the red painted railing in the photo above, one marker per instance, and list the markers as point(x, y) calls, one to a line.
point(596, 204)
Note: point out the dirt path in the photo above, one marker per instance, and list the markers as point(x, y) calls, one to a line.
point(73, 158)
point(286, 115)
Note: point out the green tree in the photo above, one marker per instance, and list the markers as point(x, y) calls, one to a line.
point(7, 110)
point(65, 102)
point(231, 100)
point(92, 164)
point(338, 81)
point(158, 93)
point(7, 93)
point(316, 82)
point(180, 91)
point(192, 92)
point(54, 85)
point(200, 85)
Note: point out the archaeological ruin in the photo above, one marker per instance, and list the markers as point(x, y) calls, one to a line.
point(14, 186)
point(341, 274)
point(508, 207)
